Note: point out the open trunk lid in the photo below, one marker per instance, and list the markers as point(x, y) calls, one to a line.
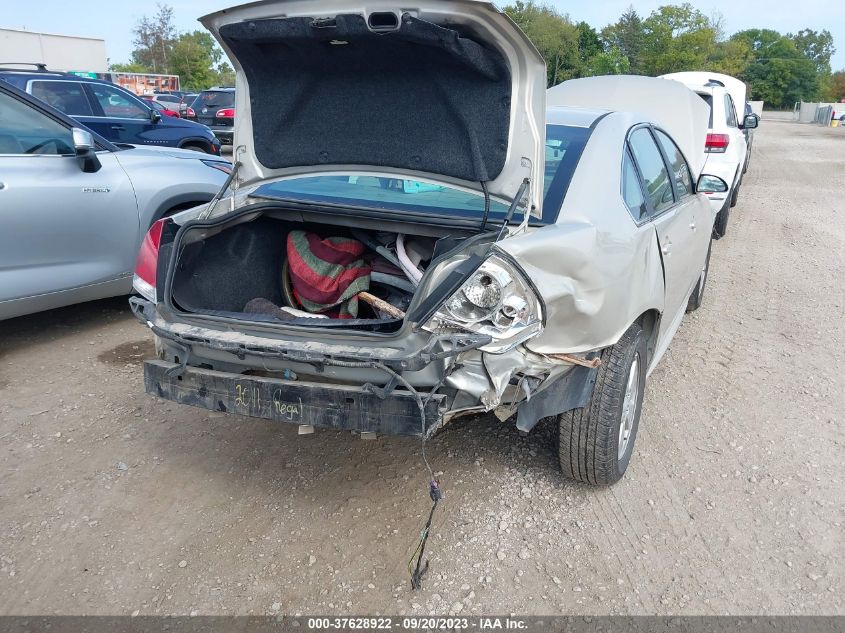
point(443, 90)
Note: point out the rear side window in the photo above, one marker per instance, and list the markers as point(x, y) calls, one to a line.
point(632, 192)
point(680, 169)
point(708, 99)
point(655, 175)
point(65, 96)
point(730, 112)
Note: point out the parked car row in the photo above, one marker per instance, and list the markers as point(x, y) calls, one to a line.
point(213, 108)
point(395, 256)
point(113, 112)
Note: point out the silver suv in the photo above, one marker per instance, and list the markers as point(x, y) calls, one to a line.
point(75, 206)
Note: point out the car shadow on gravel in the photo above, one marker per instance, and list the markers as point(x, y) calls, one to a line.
point(54, 325)
point(332, 465)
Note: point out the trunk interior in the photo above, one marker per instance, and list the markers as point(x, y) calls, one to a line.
point(265, 267)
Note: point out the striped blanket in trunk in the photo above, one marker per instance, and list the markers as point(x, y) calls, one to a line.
point(327, 274)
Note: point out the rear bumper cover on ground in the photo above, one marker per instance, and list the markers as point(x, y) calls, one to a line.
point(295, 402)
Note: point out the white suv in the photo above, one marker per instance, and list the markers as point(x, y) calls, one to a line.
point(726, 145)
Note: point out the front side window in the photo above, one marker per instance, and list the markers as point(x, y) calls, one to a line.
point(65, 96)
point(25, 130)
point(680, 169)
point(117, 104)
point(655, 175)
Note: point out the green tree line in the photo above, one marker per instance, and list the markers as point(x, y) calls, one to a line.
point(779, 69)
point(195, 56)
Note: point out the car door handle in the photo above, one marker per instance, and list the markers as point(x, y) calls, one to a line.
point(118, 128)
point(692, 225)
point(667, 247)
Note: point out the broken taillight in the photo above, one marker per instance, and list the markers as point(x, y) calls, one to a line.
point(144, 280)
point(717, 143)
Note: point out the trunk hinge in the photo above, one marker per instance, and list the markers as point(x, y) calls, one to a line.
point(231, 181)
point(520, 194)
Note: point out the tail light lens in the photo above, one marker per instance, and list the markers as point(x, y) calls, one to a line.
point(189, 112)
point(717, 143)
point(144, 280)
point(226, 113)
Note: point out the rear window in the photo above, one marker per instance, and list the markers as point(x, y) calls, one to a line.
point(564, 146)
point(214, 99)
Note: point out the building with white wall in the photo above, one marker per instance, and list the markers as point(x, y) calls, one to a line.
point(58, 52)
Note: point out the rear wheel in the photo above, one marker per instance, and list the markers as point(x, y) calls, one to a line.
point(595, 442)
point(697, 296)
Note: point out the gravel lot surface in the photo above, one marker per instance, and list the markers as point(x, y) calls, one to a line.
point(114, 502)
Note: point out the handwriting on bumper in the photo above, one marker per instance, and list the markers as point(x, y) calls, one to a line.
point(249, 397)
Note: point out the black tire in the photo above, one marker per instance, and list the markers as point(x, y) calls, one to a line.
point(735, 195)
point(589, 438)
point(720, 226)
point(697, 296)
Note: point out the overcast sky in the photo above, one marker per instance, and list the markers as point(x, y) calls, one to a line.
point(113, 21)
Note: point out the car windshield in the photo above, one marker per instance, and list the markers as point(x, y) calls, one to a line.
point(215, 99)
point(564, 145)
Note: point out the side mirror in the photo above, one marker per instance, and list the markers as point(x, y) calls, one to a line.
point(86, 150)
point(711, 184)
point(751, 121)
point(155, 115)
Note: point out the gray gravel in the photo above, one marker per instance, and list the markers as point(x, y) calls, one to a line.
point(113, 502)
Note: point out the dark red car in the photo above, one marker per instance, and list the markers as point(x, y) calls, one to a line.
point(155, 105)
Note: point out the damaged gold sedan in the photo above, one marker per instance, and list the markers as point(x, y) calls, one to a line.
point(412, 233)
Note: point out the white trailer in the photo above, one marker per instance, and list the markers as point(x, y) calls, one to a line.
point(57, 52)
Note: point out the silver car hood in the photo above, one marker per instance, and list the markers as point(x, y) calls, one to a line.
point(668, 104)
point(172, 152)
point(444, 90)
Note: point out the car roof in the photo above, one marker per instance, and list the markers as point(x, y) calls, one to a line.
point(52, 75)
point(573, 116)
